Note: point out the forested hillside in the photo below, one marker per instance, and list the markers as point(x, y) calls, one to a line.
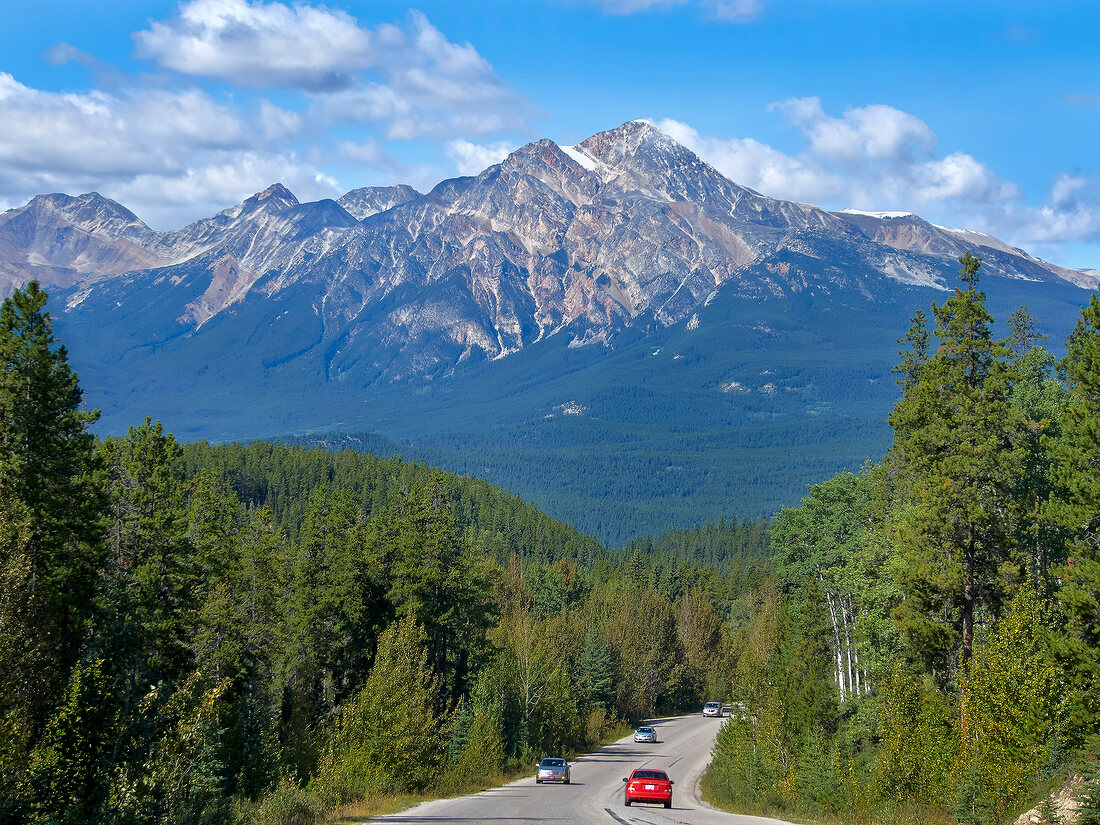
point(926, 648)
point(262, 633)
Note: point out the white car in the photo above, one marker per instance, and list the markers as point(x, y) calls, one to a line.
point(712, 709)
point(552, 769)
point(645, 734)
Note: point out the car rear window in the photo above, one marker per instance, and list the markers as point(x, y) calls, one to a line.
point(553, 763)
point(649, 775)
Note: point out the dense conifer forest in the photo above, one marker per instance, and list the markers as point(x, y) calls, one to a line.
point(264, 633)
point(926, 646)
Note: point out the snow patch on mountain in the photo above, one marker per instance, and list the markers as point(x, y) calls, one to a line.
point(582, 159)
point(881, 215)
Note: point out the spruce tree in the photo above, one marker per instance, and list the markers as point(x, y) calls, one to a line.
point(47, 457)
point(1077, 472)
point(390, 737)
point(954, 462)
point(155, 578)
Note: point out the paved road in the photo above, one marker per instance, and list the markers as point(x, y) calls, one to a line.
point(595, 793)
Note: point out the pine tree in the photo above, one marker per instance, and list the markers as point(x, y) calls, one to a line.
point(1077, 458)
point(433, 579)
point(914, 358)
point(21, 652)
point(156, 580)
point(954, 462)
point(47, 456)
point(1024, 334)
point(390, 737)
point(595, 674)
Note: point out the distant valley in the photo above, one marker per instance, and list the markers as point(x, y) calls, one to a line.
point(613, 330)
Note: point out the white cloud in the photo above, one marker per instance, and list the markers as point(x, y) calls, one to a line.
point(471, 158)
point(363, 153)
point(876, 131)
point(880, 158)
point(761, 167)
point(168, 202)
point(430, 87)
point(265, 45)
point(1071, 213)
point(415, 81)
point(168, 155)
point(278, 122)
point(96, 132)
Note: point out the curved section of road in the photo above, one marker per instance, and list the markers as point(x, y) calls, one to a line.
point(595, 793)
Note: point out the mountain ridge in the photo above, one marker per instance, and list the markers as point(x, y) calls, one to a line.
point(544, 242)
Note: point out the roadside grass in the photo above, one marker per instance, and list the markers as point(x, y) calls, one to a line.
point(883, 815)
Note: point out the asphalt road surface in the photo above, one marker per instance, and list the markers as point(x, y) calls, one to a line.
point(595, 792)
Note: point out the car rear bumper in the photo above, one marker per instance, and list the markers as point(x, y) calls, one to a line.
point(652, 799)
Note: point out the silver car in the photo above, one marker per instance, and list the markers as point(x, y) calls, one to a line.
point(552, 770)
point(645, 734)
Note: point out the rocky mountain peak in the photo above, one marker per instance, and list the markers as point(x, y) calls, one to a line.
point(90, 211)
point(636, 141)
point(371, 200)
point(275, 195)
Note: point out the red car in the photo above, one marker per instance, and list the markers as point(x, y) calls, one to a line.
point(646, 785)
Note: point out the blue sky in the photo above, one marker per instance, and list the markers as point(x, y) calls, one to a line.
point(977, 114)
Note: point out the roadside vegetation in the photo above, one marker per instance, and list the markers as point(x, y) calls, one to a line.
point(926, 647)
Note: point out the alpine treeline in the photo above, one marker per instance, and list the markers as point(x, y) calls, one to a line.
point(264, 633)
point(926, 647)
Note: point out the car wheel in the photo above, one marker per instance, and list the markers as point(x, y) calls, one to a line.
point(669, 803)
point(538, 781)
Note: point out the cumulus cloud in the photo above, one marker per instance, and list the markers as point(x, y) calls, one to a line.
point(877, 158)
point(154, 149)
point(429, 87)
point(266, 45)
point(472, 158)
point(414, 80)
point(876, 131)
point(870, 157)
point(200, 190)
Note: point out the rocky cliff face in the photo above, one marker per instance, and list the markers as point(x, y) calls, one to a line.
point(627, 229)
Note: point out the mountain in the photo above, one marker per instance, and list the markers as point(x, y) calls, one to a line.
point(617, 309)
point(370, 200)
point(64, 241)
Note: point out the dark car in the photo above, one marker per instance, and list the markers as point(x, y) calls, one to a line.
point(552, 769)
point(648, 785)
